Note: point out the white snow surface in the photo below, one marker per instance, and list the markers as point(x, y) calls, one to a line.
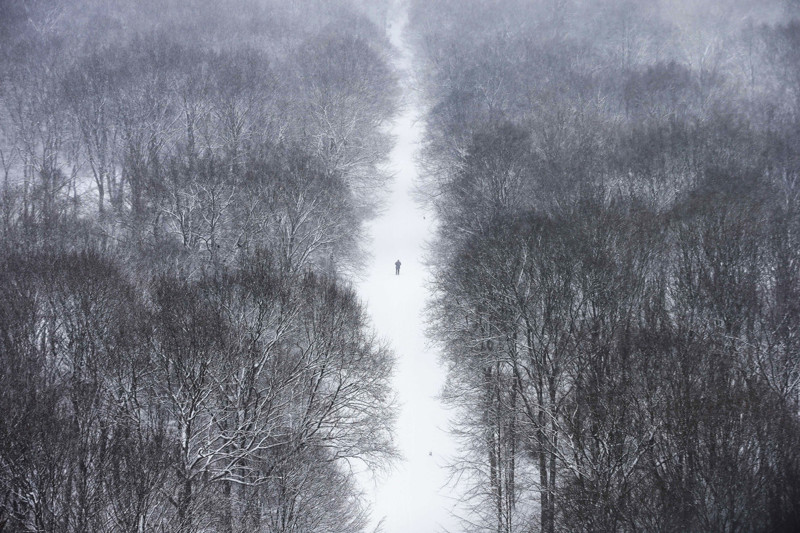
point(415, 497)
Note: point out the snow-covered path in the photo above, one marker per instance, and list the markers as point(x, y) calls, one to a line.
point(414, 498)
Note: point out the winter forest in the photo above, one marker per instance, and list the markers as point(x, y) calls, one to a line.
point(612, 280)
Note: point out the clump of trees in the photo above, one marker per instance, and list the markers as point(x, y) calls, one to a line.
point(159, 138)
point(182, 199)
point(617, 265)
point(229, 401)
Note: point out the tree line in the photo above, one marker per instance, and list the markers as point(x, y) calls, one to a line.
point(184, 187)
point(617, 266)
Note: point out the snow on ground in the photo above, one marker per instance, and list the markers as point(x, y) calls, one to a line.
point(415, 497)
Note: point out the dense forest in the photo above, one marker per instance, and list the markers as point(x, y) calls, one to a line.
point(617, 264)
point(184, 187)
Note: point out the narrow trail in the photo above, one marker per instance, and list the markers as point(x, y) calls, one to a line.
point(414, 498)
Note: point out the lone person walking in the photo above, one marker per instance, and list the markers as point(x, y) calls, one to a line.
point(397, 268)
